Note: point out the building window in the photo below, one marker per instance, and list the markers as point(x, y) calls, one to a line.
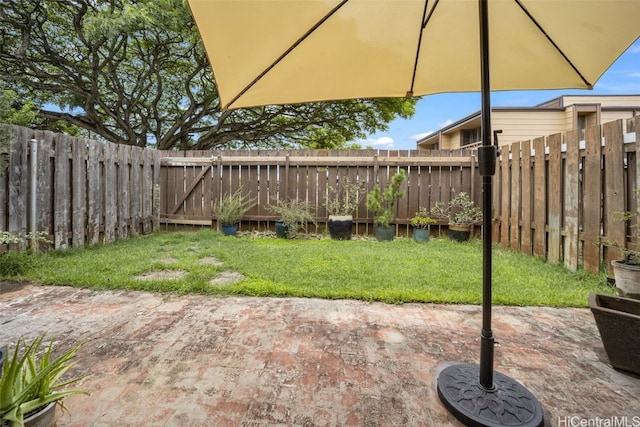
point(471, 136)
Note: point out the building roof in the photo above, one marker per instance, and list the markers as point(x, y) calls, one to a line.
point(560, 103)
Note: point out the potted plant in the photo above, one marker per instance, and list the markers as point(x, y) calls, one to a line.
point(618, 321)
point(31, 383)
point(461, 213)
point(294, 215)
point(421, 223)
point(231, 209)
point(626, 271)
point(382, 203)
point(341, 205)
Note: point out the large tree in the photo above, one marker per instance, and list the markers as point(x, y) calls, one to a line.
point(135, 72)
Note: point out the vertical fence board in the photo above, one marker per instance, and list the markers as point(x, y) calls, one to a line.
point(124, 153)
point(18, 179)
point(592, 200)
point(147, 190)
point(44, 202)
point(110, 193)
point(540, 198)
point(554, 198)
point(95, 189)
point(413, 190)
point(526, 246)
point(79, 188)
point(135, 191)
point(155, 207)
point(614, 191)
point(514, 219)
point(497, 199)
point(507, 164)
point(61, 193)
point(571, 200)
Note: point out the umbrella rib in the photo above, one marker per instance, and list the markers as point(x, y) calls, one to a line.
point(288, 51)
point(423, 22)
point(568, 61)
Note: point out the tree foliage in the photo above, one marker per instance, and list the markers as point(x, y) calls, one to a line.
point(136, 72)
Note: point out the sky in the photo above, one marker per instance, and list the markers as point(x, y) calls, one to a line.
point(434, 112)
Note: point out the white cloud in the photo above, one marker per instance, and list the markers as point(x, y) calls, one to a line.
point(445, 123)
point(382, 142)
point(635, 49)
point(419, 136)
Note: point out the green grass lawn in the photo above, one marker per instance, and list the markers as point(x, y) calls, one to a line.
point(400, 271)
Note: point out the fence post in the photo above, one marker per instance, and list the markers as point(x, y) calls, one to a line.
point(33, 184)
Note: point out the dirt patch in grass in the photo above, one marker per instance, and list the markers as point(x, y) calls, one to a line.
point(210, 261)
point(226, 278)
point(162, 275)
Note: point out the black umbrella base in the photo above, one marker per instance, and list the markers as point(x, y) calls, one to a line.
point(509, 403)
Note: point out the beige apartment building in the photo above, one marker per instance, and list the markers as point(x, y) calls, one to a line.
point(561, 114)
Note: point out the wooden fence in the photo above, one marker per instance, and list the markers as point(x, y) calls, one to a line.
point(191, 185)
point(560, 197)
point(85, 192)
point(557, 197)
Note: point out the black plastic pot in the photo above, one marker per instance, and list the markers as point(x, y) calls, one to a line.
point(618, 321)
point(459, 233)
point(340, 227)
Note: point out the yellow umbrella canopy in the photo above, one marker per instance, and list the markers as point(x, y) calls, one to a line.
point(292, 51)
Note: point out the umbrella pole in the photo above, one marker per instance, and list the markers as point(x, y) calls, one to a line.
point(469, 392)
point(487, 155)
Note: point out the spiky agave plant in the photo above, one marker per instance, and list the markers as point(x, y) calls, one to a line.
point(30, 381)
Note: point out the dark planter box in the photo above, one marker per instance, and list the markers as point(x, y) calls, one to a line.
point(618, 320)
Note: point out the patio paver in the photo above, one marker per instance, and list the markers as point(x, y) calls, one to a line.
point(167, 360)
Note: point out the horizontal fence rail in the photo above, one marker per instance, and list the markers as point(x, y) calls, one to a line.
point(76, 191)
point(191, 186)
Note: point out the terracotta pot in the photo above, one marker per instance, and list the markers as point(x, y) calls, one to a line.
point(618, 321)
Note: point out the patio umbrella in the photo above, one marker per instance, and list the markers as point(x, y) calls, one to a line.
point(292, 51)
